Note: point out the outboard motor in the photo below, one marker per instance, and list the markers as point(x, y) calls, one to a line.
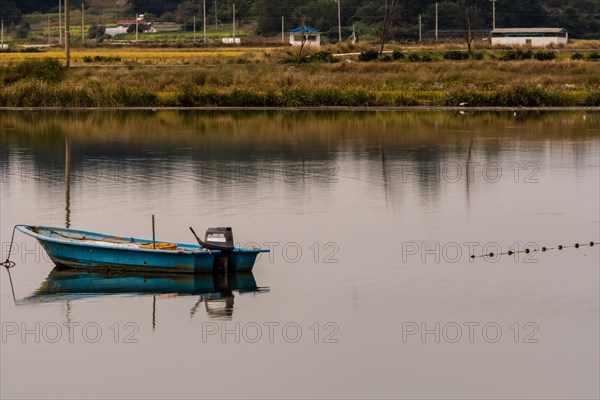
point(219, 238)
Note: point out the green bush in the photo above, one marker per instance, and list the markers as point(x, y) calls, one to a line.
point(426, 58)
point(96, 31)
point(456, 55)
point(511, 55)
point(519, 96)
point(478, 55)
point(197, 96)
point(322, 57)
point(414, 57)
point(577, 56)
point(368, 55)
point(593, 56)
point(387, 57)
point(88, 59)
point(544, 55)
point(46, 69)
point(397, 55)
point(592, 99)
point(531, 96)
point(318, 57)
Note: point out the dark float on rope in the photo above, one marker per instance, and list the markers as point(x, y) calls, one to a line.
point(544, 249)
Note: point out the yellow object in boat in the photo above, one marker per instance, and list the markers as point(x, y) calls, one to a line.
point(160, 246)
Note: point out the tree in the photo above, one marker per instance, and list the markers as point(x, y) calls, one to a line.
point(388, 17)
point(186, 10)
point(96, 32)
point(22, 30)
point(303, 42)
point(472, 18)
point(9, 11)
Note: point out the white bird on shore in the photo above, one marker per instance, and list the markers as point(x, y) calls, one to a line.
point(463, 104)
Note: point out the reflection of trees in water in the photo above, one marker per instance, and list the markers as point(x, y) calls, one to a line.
point(157, 145)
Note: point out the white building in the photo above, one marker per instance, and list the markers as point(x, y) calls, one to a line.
point(115, 31)
point(535, 37)
point(313, 36)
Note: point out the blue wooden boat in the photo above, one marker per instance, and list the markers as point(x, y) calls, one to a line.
point(91, 250)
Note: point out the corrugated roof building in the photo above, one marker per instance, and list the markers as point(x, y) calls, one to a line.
point(535, 37)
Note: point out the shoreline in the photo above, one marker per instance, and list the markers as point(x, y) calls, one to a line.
point(320, 108)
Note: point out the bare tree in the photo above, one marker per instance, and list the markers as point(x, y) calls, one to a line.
point(472, 19)
point(387, 22)
point(303, 42)
point(468, 31)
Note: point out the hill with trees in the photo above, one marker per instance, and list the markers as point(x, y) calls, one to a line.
point(580, 17)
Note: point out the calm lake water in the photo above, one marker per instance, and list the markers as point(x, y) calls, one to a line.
point(369, 290)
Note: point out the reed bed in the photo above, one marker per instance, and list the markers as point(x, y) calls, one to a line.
point(346, 83)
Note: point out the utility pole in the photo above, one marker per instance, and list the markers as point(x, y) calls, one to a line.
point(339, 22)
point(216, 19)
point(82, 16)
point(2, 34)
point(420, 30)
point(233, 24)
point(493, 14)
point(137, 22)
point(194, 27)
point(59, 21)
point(48, 30)
point(67, 36)
point(282, 30)
point(436, 22)
point(204, 19)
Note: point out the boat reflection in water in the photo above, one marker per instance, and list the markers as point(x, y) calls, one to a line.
point(215, 291)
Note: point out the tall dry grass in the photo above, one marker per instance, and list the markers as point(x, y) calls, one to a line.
point(484, 83)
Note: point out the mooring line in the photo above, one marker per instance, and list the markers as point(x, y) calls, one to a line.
point(7, 263)
point(534, 250)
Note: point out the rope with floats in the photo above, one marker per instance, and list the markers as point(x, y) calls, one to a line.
point(535, 250)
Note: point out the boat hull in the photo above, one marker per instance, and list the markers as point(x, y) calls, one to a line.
point(238, 260)
point(93, 258)
point(93, 251)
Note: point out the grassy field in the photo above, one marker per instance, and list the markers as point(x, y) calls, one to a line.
point(256, 77)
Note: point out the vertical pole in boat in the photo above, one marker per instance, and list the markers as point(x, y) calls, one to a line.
point(153, 234)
